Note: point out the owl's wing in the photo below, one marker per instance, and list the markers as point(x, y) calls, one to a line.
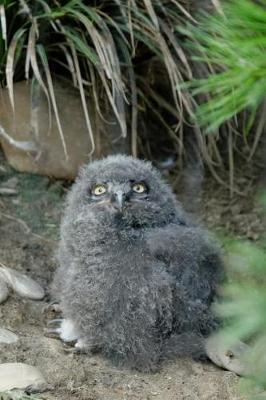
point(189, 253)
point(193, 259)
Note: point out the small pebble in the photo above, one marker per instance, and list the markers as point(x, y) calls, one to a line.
point(21, 284)
point(7, 337)
point(231, 358)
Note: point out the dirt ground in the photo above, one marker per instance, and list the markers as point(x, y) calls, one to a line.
point(29, 222)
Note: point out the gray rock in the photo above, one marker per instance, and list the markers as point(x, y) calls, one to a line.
point(19, 376)
point(229, 357)
point(21, 284)
point(30, 146)
point(7, 337)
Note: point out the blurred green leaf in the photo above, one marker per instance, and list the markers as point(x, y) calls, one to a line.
point(243, 308)
point(234, 43)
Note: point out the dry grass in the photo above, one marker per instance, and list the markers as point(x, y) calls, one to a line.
point(109, 49)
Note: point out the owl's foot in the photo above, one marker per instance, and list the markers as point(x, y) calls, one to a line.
point(65, 329)
point(53, 329)
point(53, 306)
point(55, 321)
point(71, 350)
point(81, 346)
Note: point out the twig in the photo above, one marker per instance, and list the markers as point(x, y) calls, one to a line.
point(217, 5)
point(20, 221)
point(231, 163)
point(7, 191)
point(22, 145)
point(26, 227)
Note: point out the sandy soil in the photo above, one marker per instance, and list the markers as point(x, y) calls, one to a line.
point(29, 224)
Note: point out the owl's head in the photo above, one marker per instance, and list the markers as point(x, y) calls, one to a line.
point(125, 188)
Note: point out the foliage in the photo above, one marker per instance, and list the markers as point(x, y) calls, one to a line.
point(233, 42)
point(130, 54)
point(99, 45)
point(244, 309)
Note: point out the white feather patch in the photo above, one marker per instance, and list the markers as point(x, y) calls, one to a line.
point(68, 331)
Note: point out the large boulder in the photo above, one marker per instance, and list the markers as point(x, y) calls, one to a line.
point(33, 148)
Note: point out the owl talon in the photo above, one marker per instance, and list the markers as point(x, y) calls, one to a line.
point(52, 332)
point(64, 328)
point(72, 350)
point(53, 306)
point(57, 321)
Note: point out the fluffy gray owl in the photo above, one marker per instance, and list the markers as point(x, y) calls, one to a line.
point(136, 277)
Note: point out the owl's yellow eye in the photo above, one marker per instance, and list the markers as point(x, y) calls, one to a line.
point(139, 187)
point(98, 190)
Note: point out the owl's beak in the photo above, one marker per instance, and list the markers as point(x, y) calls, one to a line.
point(118, 200)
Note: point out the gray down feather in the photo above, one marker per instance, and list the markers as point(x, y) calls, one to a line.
point(139, 283)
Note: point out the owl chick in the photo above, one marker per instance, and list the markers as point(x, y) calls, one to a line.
point(136, 277)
